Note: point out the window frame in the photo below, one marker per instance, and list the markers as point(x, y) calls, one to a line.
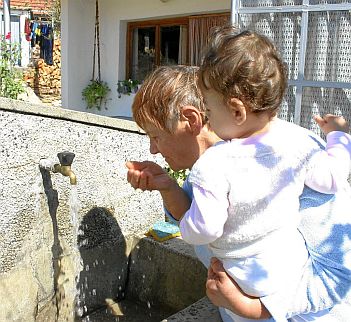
point(157, 23)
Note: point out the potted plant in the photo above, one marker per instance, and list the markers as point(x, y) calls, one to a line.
point(95, 94)
point(127, 87)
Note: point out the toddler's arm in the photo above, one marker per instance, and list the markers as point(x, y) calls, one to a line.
point(331, 171)
point(330, 123)
point(203, 223)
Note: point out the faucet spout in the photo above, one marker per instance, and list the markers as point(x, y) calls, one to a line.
point(66, 171)
point(72, 178)
point(64, 167)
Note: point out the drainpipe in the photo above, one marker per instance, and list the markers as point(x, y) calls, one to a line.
point(7, 19)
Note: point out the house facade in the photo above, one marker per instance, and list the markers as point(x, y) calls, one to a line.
point(150, 21)
point(135, 36)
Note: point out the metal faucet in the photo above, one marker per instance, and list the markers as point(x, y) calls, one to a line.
point(64, 167)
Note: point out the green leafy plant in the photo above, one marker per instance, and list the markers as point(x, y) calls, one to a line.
point(54, 11)
point(11, 84)
point(95, 94)
point(179, 175)
point(127, 87)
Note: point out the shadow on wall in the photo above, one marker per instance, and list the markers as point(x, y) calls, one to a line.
point(57, 250)
point(105, 264)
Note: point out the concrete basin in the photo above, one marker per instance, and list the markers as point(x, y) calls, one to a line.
point(165, 282)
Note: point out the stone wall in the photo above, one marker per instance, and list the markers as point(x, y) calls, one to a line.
point(38, 257)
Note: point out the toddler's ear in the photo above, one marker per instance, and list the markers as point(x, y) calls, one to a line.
point(238, 110)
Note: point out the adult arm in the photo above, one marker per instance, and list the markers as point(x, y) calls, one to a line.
point(223, 291)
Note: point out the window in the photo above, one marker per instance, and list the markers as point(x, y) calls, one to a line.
point(168, 42)
point(154, 43)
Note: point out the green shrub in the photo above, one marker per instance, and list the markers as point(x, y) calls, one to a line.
point(11, 84)
point(179, 176)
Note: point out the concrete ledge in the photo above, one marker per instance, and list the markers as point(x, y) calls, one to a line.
point(169, 274)
point(201, 311)
point(70, 115)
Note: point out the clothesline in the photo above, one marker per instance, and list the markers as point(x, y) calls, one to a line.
point(40, 20)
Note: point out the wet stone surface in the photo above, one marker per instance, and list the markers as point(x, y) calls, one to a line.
point(130, 311)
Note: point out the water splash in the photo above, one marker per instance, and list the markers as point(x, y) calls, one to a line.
point(47, 164)
point(37, 189)
point(74, 206)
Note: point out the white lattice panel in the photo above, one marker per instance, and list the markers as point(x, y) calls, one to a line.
point(328, 54)
point(323, 101)
point(283, 29)
point(287, 109)
point(315, 2)
point(269, 3)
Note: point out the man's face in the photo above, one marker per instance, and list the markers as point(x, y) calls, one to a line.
point(176, 148)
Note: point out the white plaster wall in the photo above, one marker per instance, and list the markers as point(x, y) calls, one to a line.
point(25, 44)
point(21, 38)
point(78, 17)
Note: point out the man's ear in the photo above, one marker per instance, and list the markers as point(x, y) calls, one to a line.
point(193, 117)
point(238, 110)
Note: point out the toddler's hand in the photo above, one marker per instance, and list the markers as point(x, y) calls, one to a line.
point(330, 123)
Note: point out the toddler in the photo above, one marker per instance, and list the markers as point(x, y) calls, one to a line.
point(246, 188)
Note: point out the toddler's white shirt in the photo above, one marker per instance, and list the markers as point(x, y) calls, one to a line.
point(246, 201)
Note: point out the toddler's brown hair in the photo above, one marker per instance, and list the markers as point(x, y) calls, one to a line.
point(245, 65)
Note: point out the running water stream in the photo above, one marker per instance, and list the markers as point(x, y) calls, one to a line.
point(74, 206)
point(69, 265)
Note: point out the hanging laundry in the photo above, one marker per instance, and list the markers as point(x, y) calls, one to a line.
point(37, 32)
point(42, 34)
point(46, 43)
point(33, 27)
point(27, 30)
